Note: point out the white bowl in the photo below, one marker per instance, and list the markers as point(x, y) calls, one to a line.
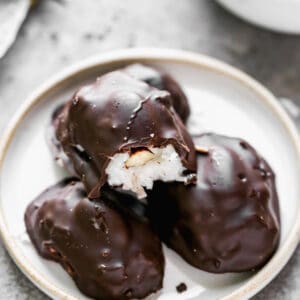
point(278, 15)
point(222, 99)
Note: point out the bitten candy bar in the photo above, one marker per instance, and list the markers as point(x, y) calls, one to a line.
point(122, 131)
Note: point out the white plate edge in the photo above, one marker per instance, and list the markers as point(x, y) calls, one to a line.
point(267, 273)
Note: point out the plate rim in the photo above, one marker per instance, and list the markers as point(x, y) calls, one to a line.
point(281, 257)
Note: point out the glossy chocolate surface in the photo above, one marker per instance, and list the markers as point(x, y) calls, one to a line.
point(229, 221)
point(118, 113)
point(110, 253)
point(162, 81)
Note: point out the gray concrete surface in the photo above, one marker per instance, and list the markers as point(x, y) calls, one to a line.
point(58, 33)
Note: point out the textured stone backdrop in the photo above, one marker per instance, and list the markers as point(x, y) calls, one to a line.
point(58, 33)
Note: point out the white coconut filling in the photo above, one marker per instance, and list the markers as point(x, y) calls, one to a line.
point(143, 167)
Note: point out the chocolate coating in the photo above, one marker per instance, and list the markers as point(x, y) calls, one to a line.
point(109, 253)
point(229, 221)
point(118, 113)
point(162, 81)
point(54, 144)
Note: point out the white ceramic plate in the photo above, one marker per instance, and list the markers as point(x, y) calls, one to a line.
point(278, 15)
point(222, 99)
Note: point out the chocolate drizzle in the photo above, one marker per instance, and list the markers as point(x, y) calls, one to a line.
point(109, 252)
point(229, 221)
point(132, 118)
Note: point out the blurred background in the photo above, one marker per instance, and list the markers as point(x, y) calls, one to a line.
point(57, 33)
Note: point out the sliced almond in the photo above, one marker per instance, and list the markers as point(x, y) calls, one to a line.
point(202, 149)
point(139, 158)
